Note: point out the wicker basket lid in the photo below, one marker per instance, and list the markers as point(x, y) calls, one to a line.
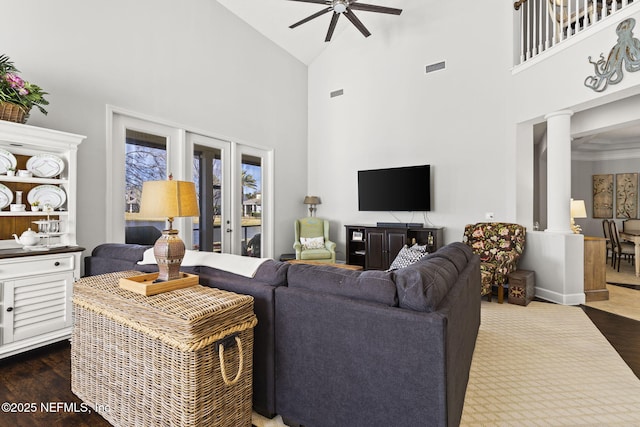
point(188, 318)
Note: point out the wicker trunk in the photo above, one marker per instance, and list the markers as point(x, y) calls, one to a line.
point(180, 358)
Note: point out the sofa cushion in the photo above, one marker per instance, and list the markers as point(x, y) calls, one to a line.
point(313, 254)
point(423, 285)
point(121, 251)
point(458, 253)
point(373, 286)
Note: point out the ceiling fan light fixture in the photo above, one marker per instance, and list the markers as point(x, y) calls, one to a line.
point(346, 8)
point(340, 6)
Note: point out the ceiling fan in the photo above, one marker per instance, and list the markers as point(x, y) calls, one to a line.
point(346, 8)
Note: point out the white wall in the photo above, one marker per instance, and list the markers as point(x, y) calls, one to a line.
point(393, 114)
point(192, 63)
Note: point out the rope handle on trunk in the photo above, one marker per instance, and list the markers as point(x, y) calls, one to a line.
point(223, 370)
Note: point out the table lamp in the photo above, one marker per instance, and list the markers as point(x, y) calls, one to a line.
point(312, 201)
point(578, 210)
point(169, 199)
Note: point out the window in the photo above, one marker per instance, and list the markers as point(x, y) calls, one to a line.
point(233, 185)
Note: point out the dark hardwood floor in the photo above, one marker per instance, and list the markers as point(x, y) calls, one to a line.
point(36, 385)
point(43, 377)
point(623, 334)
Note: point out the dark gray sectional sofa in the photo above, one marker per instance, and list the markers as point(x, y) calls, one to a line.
point(336, 347)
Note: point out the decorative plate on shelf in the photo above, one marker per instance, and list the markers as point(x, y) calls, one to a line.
point(47, 195)
point(45, 165)
point(6, 196)
point(7, 160)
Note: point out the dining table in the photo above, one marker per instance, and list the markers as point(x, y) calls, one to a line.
point(634, 237)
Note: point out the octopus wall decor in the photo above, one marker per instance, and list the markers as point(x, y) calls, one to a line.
point(626, 52)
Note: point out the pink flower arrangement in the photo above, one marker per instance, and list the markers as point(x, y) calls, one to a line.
point(18, 91)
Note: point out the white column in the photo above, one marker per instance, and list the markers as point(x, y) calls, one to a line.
point(559, 171)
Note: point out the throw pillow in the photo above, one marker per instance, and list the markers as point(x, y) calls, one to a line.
point(405, 258)
point(312, 242)
point(419, 248)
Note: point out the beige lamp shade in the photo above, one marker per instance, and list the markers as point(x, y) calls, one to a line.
point(311, 200)
point(169, 199)
point(578, 209)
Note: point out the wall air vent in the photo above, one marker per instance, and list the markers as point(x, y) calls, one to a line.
point(435, 67)
point(338, 92)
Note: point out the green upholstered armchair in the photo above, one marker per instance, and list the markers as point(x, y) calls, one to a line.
point(499, 246)
point(312, 240)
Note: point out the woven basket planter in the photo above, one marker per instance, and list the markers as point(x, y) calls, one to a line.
point(13, 112)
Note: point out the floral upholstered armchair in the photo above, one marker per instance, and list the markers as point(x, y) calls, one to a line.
point(499, 246)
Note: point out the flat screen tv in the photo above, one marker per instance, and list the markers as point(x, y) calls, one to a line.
point(395, 189)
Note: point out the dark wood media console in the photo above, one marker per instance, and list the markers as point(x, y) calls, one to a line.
point(375, 248)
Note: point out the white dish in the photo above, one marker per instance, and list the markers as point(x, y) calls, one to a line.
point(47, 195)
point(45, 165)
point(7, 160)
point(6, 196)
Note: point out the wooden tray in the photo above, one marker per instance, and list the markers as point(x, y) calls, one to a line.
point(143, 284)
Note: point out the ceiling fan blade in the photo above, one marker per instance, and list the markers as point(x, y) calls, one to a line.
point(309, 18)
point(313, 1)
point(374, 8)
point(355, 21)
point(332, 26)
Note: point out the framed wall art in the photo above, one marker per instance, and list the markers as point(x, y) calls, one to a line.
point(627, 195)
point(603, 196)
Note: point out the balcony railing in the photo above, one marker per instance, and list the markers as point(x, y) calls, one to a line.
point(546, 23)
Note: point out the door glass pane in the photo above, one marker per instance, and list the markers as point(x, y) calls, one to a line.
point(251, 205)
point(207, 173)
point(146, 160)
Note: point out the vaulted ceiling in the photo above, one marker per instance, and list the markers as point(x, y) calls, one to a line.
point(272, 19)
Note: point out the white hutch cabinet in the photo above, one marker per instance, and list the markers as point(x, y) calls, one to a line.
point(36, 283)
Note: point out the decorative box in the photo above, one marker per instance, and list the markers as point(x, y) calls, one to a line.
point(178, 358)
point(522, 287)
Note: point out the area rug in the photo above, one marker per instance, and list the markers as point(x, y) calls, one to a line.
point(547, 364)
point(542, 365)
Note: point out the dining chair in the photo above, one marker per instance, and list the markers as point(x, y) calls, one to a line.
point(607, 236)
point(620, 248)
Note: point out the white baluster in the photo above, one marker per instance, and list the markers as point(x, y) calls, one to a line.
point(555, 37)
point(522, 33)
point(521, 36)
point(542, 37)
point(534, 27)
point(529, 52)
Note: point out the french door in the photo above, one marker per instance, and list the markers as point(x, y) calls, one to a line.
point(233, 183)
